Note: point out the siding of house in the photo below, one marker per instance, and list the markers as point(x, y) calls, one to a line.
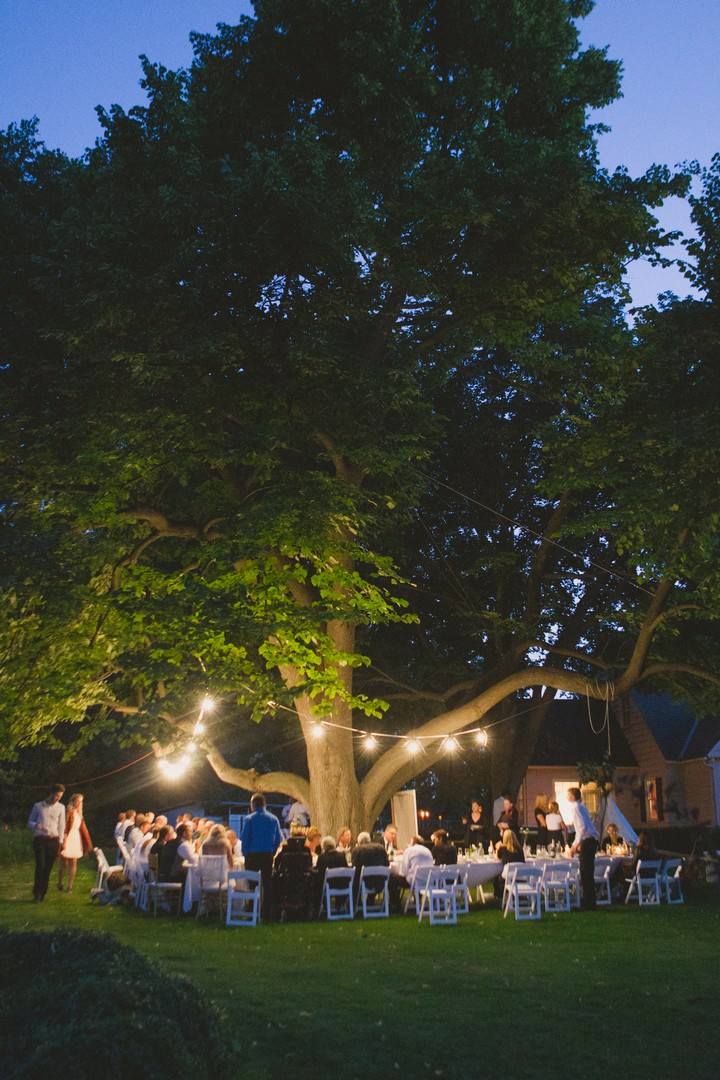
point(696, 790)
point(541, 779)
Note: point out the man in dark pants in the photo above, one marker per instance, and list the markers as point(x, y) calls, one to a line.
point(260, 839)
point(586, 843)
point(47, 821)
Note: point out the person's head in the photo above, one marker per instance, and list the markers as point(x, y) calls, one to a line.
point(390, 834)
point(122, 816)
point(644, 840)
point(363, 838)
point(345, 837)
point(164, 834)
point(613, 831)
point(150, 816)
point(574, 794)
point(439, 837)
point(328, 843)
point(160, 821)
point(257, 802)
point(56, 793)
point(416, 839)
point(232, 837)
point(185, 832)
point(475, 807)
point(510, 841)
point(553, 808)
point(541, 801)
point(75, 802)
point(217, 833)
point(313, 837)
point(508, 803)
point(130, 815)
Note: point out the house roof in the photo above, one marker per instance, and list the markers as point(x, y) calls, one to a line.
point(567, 737)
point(679, 734)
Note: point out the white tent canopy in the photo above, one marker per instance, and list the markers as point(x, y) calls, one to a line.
point(610, 813)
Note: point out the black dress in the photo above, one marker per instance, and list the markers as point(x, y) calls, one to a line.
point(475, 833)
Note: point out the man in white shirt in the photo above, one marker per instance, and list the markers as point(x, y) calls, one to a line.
point(415, 856)
point(47, 821)
point(586, 844)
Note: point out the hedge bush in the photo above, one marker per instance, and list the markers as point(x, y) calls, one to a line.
point(76, 1002)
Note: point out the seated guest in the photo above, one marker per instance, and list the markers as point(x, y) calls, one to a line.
point(368, 853)
point(444, 853)
point(217, 843)
point(235, 845)
point(612, 837)
point(165, 848)
point(645, 850)
point(344, 840)
point(292, 879)
point(509, 850)
point(416, 854)
point(330, 858)
point(390, 839)
point(184, 853)
point(313, 838)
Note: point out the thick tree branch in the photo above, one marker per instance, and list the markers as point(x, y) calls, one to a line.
point(252, 780)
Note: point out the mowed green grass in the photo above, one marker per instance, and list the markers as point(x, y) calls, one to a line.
point(623, 992)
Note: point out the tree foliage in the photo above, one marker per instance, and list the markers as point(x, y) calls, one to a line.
point(312, 363)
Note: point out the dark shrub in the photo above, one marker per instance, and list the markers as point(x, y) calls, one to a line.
point(80, 1003)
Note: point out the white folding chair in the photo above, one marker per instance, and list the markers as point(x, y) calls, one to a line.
point(104, 869)
point(455, 877)
point(644, 885)
point(572, 868)
point(417, 883)
point(555, 887)
point(603, 880)
point(244, 897)
point(161, 890)
point(213, 882)
point(337, 895)
point(671, 881)
point(375, 892)
point(437, 897)
point(523, 891)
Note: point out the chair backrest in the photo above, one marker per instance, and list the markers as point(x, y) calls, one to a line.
point(213, 869)
point(648, 867)
point(243, 878)
point(447, 876)
point(526, 873)
point(103, 864)
point(672, 868)
point(420, 876)
point(340, 878)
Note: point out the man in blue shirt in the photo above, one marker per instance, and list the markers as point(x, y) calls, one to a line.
point(260, 839)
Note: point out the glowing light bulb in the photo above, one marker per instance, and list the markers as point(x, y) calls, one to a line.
point(414, 746)
point(317, 730)
point(369, 741)
point(199, 728)
point(481, 738)
point(207, 704)
point(191, 747)
point(450, 744)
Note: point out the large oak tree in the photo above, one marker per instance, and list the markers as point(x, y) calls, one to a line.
point(316, 394)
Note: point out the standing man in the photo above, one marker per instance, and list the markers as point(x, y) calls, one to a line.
point(47, 821)
point(260, 838)
point(586, 843)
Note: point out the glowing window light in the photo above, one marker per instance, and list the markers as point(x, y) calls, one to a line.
point(414, 746)
point(481, 738)
point(369, 741)
point(450, 744)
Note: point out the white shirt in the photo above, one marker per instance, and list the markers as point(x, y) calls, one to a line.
point(47, 819)
point(415, 856)
point(582, 823)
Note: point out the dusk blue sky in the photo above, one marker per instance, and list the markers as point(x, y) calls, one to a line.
point(61, 58)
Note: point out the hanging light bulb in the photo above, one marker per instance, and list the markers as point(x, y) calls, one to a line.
point(414, 746)
point(369, 741)
point(450, 744)
point(207, 704)
point(317, 730)
point(481, 738)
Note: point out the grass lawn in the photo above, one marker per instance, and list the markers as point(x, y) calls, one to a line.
point(623, 992)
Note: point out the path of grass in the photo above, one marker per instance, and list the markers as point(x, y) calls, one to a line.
point(631, 992)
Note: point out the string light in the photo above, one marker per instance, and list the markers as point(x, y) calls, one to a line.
point(414, 746)
point(317, 730)
point(369, 741)
point(450, 744)
point(481, 738)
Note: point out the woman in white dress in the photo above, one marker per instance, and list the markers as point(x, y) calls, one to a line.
point(76, 844)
